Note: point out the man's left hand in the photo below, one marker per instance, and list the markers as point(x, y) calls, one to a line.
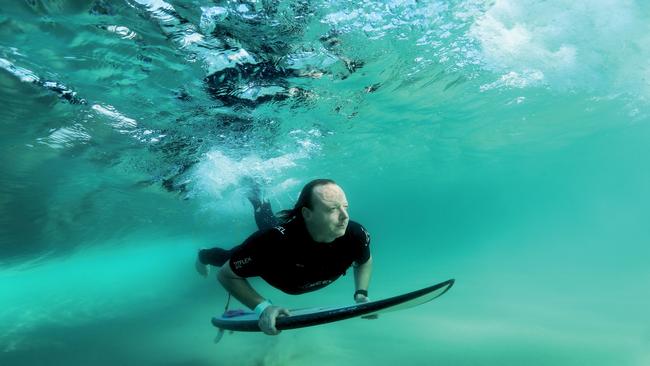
point(360, 299)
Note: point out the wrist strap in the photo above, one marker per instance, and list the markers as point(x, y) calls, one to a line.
point(361, 292)
point(259, 309)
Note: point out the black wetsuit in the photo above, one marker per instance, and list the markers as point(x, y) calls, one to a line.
point(288, 258)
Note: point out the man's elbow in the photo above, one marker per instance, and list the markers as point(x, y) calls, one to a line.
point(226, 275)
point(221, 276)
point(367, 263)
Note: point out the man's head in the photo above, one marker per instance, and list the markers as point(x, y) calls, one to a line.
point(324, 209)
point(327, 218)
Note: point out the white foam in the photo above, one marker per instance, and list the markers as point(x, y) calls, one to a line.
point(510, 42)
point(210, 16)
point(24, 75)
point(565, 41)
point(122, 31)
point(516, 80)
point(66, 137)
point(156, 5)
point(118, 120)
point(219, 173)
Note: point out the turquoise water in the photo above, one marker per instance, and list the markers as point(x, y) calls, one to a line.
point(501, 143)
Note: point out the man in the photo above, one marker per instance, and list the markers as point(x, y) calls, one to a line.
point(314, 244)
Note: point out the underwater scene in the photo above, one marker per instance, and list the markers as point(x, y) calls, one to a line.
point(501, 143)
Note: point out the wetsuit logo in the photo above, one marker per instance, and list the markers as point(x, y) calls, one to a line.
point(242, 262)
point(317, 283)
point(280, 229)
point(367, 235)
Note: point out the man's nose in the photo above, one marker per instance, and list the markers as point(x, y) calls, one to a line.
point(344, 214)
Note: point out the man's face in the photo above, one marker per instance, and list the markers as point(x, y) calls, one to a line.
point(328, 218)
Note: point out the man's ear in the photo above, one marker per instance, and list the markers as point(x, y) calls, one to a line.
point(306, 213)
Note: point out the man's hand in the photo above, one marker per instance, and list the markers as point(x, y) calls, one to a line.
point(267, 319)
point(360, 299)
point(202, 269)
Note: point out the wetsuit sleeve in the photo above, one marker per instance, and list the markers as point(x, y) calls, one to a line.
point(252, 258)
point(362, 252)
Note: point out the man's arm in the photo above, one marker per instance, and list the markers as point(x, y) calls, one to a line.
point(362, 275)
point(238, 287)
point(242, 290)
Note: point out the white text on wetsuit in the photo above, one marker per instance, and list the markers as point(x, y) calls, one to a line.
point(242, 262)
